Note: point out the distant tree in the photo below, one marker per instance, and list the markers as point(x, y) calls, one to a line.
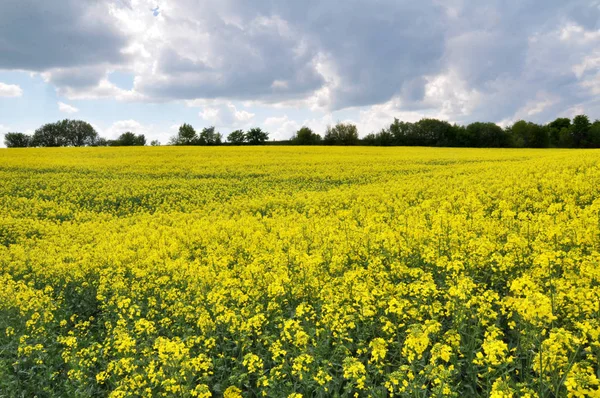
point(434, 132)
point(305, 136)
point(403, 133)
point(565, 139)
point(382, 138)
point(594, 135)
point(65, 133)
point(155, 143)
point(487, 135)
point(256, 136)
point(236, 137)
point(17, 140)
point(341, 134)
point(129, 139)
point(78, 133)
point(49, 135)
point(580, 129)
point(554, 128)
point(209, 136)
point(185, 136)
point(529, 135)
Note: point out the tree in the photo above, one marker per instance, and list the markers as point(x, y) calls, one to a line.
point(236, 137)
point(435, 132)
point(554, 129)
point(383, 138)
point(185, 136)
point(129, 139)
point(256, 136)
point(402, 132)
point(65, 133)
point(155, 143)
point(580, 129)
point(487, 135)
point(305, 136)
point(565, 139)
point(78, 133)
point(209, 136)
point(594, 135)
point(341, 134)
point(529, 135)
point(17, 140)
point(49, 135)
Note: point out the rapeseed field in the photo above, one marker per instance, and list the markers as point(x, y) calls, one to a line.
point(299, 272)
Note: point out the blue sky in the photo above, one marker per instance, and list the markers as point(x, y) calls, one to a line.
point(150, 65)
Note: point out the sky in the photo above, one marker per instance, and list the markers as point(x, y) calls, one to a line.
point(147, 66)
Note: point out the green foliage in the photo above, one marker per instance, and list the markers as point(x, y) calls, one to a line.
point(529, 135)
point(256, 136)
point(17, 140)
point(383, 138)
point(580, 129)
point(341, 134)
point(305, 136)
point(554, 130)
point(209, 136)
point(65, 133)
point(155, 143)
point(129, 139)
point(237, 137)
point(185, 136)
point(594, 135)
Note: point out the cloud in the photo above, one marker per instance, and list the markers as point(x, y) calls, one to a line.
point(223, 114)
point(280, 128)
point(38, 35)
point(463, 61)
point(10, 90)
point(66, 108)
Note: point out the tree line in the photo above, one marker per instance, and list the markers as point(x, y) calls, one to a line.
point(560, 133)
point(70, 133)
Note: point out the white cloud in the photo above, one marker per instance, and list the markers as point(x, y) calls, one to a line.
point(123, 126)
point(10, 90)
point(280, 128)
point(223, 114)
point(66, 108)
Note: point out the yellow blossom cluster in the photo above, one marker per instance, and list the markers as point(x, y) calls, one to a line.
point(299, 272)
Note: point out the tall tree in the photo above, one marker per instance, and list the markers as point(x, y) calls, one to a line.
point(341, 134)
point(185, 136)
point(208, 136)
point(554, 129)
point(305, 136)
point(237, 137)
point(78, 133)
point(594, 135)
point(65, 133)
point(49, 135)
point(580, 129)
point(529, 135)
point(487, 135)
point(256, 136)
point(435, 132)
point(17, 140)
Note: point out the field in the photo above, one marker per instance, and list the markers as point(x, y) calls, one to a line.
point(315, 272)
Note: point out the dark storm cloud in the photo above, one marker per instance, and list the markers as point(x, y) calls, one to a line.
point(39, 35)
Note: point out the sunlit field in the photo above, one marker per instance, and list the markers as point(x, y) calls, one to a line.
point(299, 271)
